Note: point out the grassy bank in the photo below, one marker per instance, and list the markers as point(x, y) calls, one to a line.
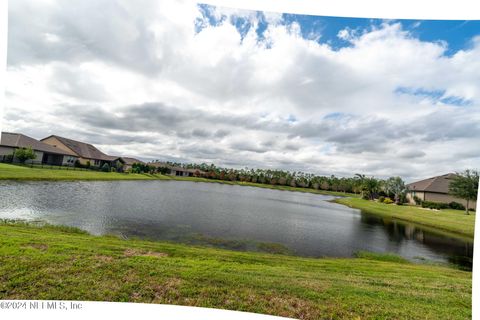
point(25, 173)
point(60, 263)
point(14, 172)
point(454, 221)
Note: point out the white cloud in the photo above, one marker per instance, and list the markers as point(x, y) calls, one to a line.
point(138, 78)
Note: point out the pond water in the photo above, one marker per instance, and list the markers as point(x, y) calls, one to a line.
point(225, 215)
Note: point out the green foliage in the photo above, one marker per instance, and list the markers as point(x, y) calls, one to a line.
point(465, 186)
point(396, 187)
point(381, 199)
point(388, 201)
point(417, 200)
point(105, 168)
point(453, 222)
point(456, 206)
point(434, 205)
point(142, 168)
point(24, 154)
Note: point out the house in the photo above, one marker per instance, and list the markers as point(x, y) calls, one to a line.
point(86, 153)
point(178, 171)
point(435, 189)
point(185, 172)
point(125, 163)
point(45, 153)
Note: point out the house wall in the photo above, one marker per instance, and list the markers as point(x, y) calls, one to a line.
point(411, 194)
point(446, 198)
point(57, 143)
point(4, 151)
point(66, 161)
point(38, 159)
point(438, 197)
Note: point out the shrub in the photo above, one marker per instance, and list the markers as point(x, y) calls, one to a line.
point(381, 199)
point(24, 154)
point(456, 206)
point(417, 200)
point(105, 168)
point(434, 205)
point(388, 201)
point(402, 198)
point(366, 196)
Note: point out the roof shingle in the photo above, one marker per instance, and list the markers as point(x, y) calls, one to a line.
point(18, 140)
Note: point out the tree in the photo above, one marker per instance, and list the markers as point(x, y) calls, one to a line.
point(396, 186)
point(370, 187)
point(465, 186)
point(24, 154)
point(105, 168)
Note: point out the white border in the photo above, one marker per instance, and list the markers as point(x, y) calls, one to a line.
point(385, 9)
point(58, 309)
point(3, 54)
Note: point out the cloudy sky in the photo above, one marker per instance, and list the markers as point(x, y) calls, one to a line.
point(173, 80)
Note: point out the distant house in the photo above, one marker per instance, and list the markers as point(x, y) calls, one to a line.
point(435, 189)
point(126, 163)
point(85, 152)
point(46, 154)
point(178, 171)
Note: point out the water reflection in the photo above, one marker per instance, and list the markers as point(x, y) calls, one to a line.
point(305, 224)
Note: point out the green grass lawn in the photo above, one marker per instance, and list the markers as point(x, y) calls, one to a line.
point(454, 221)
point(62, 263)
point(15, 172)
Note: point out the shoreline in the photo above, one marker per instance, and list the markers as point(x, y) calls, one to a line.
point(46, 262)
point(448, 222)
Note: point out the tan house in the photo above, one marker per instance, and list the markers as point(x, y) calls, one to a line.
point(85, 152)
point(435, 189)
point(45, 153)
point(178, 171)
point(126, 162)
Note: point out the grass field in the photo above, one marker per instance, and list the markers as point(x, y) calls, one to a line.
point(63, 263)
point(14, 172)
point(454, 221)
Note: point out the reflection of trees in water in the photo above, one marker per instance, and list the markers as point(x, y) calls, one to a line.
point(457, 251)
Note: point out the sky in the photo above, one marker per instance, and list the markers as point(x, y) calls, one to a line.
point(178, 81)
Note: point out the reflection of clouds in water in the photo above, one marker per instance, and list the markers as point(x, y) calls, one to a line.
point(304, 223)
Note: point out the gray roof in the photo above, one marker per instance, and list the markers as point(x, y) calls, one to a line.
point(18, 140)
point(437, 184)
point(131, 161)
point(84, 150)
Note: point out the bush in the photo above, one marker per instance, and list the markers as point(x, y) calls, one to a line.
point(434, 205)
point(24, 154)
point(388, 201)
point(105, 168)
point(381, 199)
point(456, 206)
point(417, 200)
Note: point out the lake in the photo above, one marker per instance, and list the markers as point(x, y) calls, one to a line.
point(229, 216)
